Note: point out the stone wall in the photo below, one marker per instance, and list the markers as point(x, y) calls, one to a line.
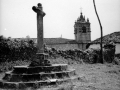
point(63, 46)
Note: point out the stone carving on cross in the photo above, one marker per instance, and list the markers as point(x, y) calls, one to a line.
point(38, 9)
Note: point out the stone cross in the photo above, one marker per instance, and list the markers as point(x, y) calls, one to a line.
point(40, 15)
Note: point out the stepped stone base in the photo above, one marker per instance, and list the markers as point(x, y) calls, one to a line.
point(34, 84)
point(37, 76)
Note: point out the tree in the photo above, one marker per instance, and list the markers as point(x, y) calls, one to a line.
point(101, 51)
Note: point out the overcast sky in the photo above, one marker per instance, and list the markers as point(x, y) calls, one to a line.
point(18, 20)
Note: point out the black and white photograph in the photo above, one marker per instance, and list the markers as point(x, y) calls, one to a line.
point(59, 44)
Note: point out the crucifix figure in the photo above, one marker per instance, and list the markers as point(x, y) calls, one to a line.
point(40, 15)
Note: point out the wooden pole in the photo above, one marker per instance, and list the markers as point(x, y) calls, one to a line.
point(101, 51)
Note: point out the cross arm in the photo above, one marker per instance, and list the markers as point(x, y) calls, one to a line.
point(38, 10)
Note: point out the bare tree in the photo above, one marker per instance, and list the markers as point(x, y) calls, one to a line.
point(101, 51)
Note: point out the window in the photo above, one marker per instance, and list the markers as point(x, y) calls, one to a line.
point(75, 30)
point(84, 29)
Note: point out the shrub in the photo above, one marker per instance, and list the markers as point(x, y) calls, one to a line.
point(13, 49)
point(108, 53)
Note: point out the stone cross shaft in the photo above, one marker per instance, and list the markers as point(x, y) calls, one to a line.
point(40, 15)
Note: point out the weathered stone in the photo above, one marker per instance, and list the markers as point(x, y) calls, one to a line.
point(40, 15)
point(38, 69)
point(14, 77)
point(35, 84)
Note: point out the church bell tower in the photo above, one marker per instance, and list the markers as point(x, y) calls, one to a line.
point(82, 31)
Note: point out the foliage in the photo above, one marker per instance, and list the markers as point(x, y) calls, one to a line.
point(108, 53)
point(8, 66)
point(16, 49)
point(93, 55)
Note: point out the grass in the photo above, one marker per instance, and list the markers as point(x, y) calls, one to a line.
point(7, 66)
point(98, 77)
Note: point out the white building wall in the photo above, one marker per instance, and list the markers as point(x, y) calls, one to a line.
point(98, 46)
point(117, 48)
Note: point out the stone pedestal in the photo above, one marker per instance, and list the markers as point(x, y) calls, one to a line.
point(41, 60)
point(23, 77)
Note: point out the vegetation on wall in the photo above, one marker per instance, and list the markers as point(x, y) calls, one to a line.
point(16, 49)
point(22, 51)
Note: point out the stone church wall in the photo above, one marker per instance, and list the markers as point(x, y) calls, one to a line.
point(67, 46)
point(63, 46)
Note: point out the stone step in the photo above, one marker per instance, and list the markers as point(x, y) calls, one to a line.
point(34, 84)
point(37, 69)
point(12, 77)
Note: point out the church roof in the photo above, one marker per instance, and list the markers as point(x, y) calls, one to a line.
point(115, 37)
point(60, 41)
point(56, 40)
point(53, 40)
point(50, 41)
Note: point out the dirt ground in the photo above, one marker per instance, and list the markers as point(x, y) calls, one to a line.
point(97, 77)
